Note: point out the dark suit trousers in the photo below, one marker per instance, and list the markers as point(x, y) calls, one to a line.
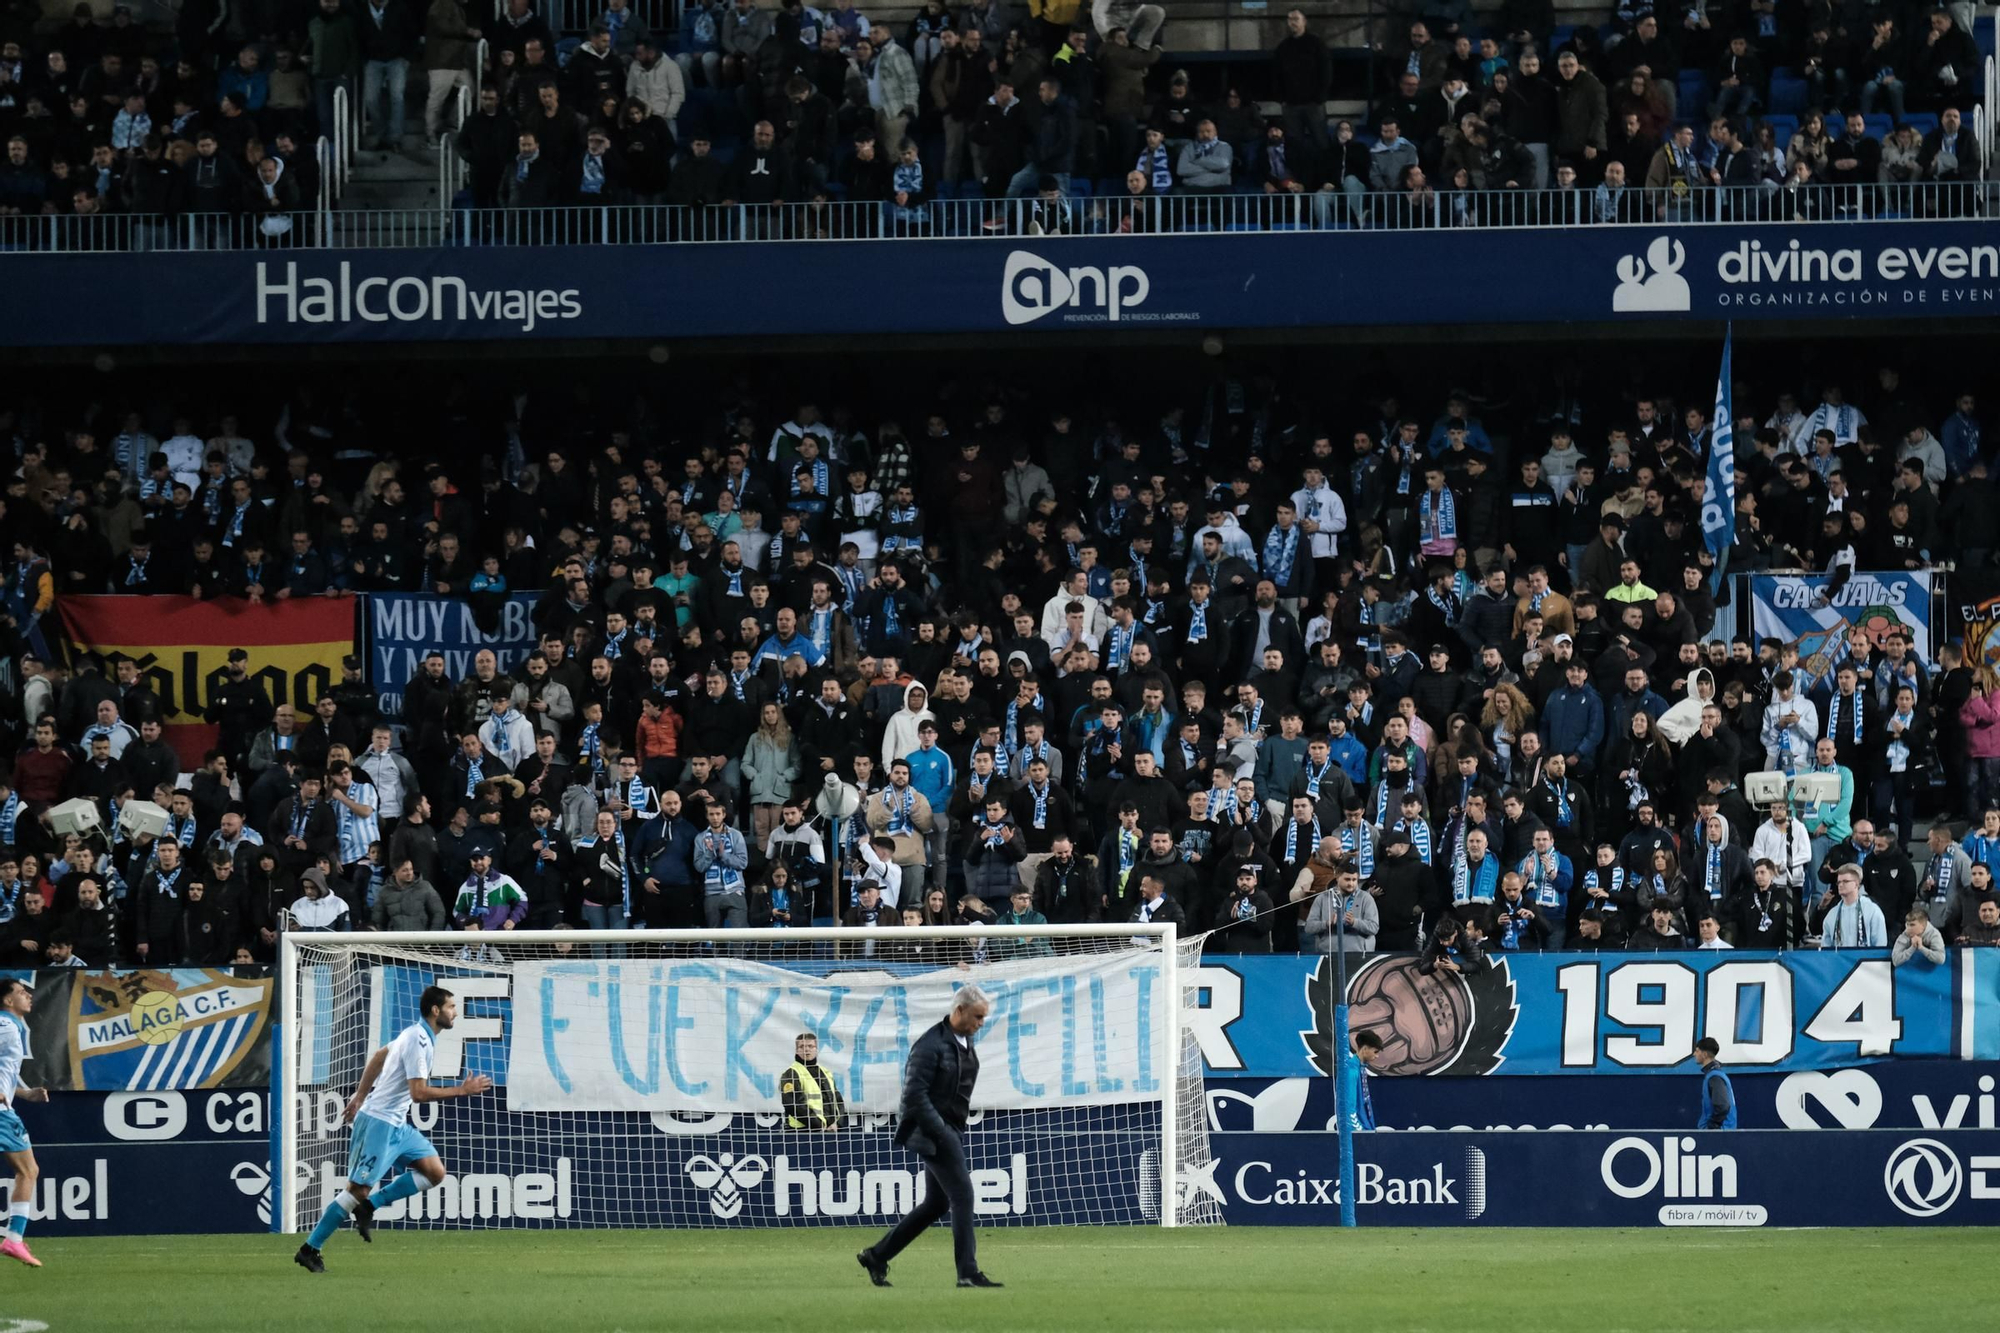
point(948, 1189)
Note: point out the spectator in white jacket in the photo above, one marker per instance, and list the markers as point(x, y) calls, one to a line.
point(1791, 722)
point(1323, 517)
point(656, 81)
point(1784, 842)
point(900, 737)
point(507, 735)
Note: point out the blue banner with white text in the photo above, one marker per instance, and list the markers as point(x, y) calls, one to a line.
point(1922, 270)
point(1572, 1013)
point(404, 628)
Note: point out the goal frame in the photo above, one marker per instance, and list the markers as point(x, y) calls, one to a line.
point(1172, 1029)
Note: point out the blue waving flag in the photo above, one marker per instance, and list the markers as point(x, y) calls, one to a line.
point(1718, 506)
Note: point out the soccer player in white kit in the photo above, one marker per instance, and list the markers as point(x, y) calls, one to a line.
point(384, 1141)
point(15, 1001)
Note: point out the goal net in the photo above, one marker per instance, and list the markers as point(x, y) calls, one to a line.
point(648, 1078)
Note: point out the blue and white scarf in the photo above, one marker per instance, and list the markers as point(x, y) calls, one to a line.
point(1357, 843)
point(1855, 710)
point(1420, 836)
point(1197, 630)
point(475, 770)
point(1120, 645)
point(1561, 793)
point(1041, 799)
point(1292, 838)
point(1281, 549)
point(1437, 516)
point(1314, 778)
point(1611, 880)
point(902, 809)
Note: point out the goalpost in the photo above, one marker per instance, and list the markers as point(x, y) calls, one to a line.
point(636, 1073)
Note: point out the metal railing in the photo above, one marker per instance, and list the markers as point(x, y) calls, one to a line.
point(573, 17)
point(1985, 111)
point(641, 224)
point(452, 168)
point(344, 133)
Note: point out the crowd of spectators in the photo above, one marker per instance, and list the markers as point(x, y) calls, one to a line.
point(1286, 673)
point(1067, 107)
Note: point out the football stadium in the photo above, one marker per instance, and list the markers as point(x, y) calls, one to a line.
point(1080, 665)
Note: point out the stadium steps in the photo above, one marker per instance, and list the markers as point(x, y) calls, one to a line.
point(402, 180)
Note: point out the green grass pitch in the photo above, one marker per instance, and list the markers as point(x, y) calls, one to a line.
point(806, 1281)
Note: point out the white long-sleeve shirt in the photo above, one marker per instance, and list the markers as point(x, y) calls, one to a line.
point(886, 873)
point(1803, 732)
point(508, 740)
point(1789, 849)
point(1323, 507)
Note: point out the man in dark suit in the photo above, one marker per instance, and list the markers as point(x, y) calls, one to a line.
point(937, 1097)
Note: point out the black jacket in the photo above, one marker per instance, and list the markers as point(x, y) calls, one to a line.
point(937, 1090)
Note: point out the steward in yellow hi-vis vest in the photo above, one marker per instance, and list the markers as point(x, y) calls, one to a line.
point(810, 1098)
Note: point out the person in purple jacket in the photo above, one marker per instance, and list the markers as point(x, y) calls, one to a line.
point(488, 900)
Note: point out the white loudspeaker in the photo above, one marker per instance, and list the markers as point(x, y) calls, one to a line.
point(1764, 788)
point(139, 817)
point(78, 816)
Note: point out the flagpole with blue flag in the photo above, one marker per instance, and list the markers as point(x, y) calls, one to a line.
point(1718, 506)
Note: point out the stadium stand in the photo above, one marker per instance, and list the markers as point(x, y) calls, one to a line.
point(1496, 608)
point(252, 131)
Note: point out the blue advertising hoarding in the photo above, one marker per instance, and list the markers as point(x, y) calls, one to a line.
point(151, 1163)
point(1889, 1094)
point(1079, 284)
point(1725, 1178)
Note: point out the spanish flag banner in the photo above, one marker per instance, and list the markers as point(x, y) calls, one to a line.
point(182, 647)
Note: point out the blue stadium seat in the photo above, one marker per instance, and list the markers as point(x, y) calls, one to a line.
point(1782, 135)
point(1694, 95)
point(1560, 34)
point(565, 49)
point(943, 190)
point(1788, 93)
point(1080, 187)
point(1878, 126)
point(1924, 122)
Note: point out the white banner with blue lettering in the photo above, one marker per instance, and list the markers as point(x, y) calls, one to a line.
point(717, 1035)
point(1795, 609)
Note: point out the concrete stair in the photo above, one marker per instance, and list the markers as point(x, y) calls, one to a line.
point(406, 180)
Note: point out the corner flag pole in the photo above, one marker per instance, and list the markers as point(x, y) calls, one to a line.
point(1341, 1056)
